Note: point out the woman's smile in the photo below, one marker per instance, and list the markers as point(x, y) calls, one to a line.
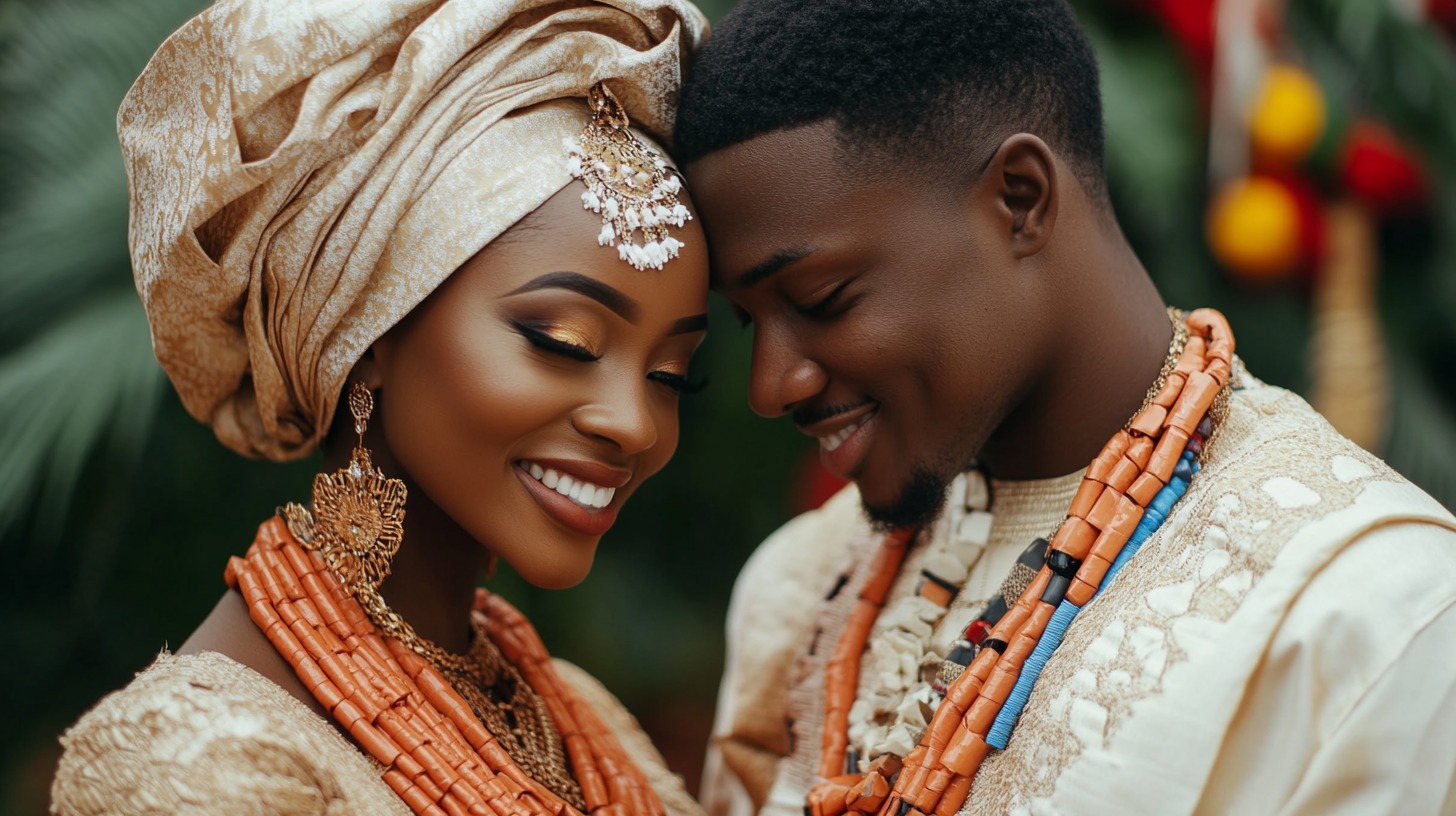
point(577, 504)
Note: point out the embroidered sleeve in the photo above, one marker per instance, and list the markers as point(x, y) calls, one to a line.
point(770, 620)
point(203, 735)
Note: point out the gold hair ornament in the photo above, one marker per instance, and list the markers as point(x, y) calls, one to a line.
point(629, 183)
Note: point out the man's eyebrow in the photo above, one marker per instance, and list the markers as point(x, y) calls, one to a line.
point(687, 325)
point(606, 295)
point(779, 260)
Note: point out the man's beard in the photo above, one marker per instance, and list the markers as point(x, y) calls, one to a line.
point(918, 504)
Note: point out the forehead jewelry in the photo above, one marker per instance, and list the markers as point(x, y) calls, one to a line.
point(628, 183)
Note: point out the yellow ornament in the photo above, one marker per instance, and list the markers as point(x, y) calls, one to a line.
point(1288, 117)
point(1253, 229)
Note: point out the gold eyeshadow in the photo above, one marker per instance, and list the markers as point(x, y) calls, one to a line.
point(577, 336)
point(675, 369)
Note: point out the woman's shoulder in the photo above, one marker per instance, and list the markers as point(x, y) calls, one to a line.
point(668, 785)
point(201, 734)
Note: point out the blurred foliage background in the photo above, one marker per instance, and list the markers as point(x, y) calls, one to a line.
point(118, 511)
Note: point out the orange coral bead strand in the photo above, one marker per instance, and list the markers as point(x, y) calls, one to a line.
point(398, 707)
point(841, 671)
point(1120, 482)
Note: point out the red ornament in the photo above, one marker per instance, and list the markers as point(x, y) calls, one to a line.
point(978, 630)
point(1311, 224)
point(1383, 173)
point(1443, 12)
point(1192, 22)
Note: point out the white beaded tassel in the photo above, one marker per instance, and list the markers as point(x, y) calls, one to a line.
point(629, 184)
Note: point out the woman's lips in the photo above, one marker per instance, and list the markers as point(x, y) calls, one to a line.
point(578, 503)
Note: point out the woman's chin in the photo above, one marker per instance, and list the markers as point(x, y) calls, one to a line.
point(544, 572)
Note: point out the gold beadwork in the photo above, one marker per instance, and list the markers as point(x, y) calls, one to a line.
point(628, 183)
point(1175, 350)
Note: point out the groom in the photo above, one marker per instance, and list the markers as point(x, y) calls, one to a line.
point(906, 202)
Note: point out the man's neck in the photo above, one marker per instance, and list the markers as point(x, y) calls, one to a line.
point(1112, 337)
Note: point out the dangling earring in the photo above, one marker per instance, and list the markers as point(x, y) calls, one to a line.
point(357, 523)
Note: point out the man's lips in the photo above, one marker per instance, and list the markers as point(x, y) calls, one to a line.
point(839, 423)
point(844, 439)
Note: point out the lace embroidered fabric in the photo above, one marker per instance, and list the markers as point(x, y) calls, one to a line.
point(202, 734)
point(1271, 473)
point(1021, 512)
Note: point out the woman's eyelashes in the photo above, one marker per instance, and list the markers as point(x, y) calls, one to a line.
point(679, 383)
point(558, 340)
point(574, 345)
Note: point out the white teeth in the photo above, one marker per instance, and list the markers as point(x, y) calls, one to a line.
point(834, 440)
point(583, 493)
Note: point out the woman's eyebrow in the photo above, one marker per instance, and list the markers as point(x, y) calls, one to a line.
point(687, 325)
point(625, 307)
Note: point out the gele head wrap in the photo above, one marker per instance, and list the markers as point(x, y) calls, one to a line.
point(303, 173)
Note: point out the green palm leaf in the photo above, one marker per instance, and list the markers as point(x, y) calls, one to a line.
point(76, 369)
point(87, 378)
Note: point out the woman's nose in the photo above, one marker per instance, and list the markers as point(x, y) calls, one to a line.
point(623, 417)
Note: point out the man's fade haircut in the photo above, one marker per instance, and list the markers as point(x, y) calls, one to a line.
point(943, 81)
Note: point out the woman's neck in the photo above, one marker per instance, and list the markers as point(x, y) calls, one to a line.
point(432, 579)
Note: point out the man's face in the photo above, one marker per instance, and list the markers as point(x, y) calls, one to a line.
point(885, 309)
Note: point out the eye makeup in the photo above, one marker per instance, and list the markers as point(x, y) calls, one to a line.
point(679, 383)
point(559, 338)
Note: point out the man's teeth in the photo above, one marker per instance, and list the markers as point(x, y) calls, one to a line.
point(583, 493)
point(834, 440)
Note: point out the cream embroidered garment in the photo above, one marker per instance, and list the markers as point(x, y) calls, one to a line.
point(1281, 645)
point(202, 734)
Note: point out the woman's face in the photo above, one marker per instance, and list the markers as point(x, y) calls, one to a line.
point(534, 391)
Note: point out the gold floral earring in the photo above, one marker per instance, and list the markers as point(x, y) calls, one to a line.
point(357, 523)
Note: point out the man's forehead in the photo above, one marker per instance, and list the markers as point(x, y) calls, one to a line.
point(773, 194)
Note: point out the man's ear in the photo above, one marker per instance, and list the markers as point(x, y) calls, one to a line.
point(1023, 173)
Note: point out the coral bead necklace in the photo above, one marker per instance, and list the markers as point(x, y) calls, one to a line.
point(1128, 489)
point(402, 710)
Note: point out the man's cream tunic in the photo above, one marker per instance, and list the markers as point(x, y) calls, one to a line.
point(1285, 643)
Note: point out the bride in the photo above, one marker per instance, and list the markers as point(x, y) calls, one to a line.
point(423, 237)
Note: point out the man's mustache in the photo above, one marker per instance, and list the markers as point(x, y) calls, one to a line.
point(808, 416)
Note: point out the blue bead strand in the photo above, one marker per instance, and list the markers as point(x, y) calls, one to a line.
point(1056, 628)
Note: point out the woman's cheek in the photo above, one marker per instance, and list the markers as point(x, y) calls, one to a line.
point(667, 437)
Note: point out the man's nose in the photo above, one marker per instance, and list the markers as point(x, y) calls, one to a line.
point(782, 376)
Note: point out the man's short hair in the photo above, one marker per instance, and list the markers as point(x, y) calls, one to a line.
point(941, 81)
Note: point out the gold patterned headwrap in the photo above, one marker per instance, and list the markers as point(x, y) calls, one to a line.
point(303, 173)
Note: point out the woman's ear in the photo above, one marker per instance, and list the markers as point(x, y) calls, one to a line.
point(1023, 175)
point(371, 367)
